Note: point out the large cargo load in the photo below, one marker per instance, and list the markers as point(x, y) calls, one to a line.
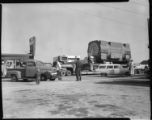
point(104, 51)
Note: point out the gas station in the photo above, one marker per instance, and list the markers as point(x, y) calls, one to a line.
point(13, 61)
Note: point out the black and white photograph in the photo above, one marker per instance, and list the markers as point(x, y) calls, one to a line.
point(76, 60)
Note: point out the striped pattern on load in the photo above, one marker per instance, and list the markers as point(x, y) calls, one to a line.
point(109, 51)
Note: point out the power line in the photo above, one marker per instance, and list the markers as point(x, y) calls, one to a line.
point(140, 3)
point(113, 20)
point(121, 9)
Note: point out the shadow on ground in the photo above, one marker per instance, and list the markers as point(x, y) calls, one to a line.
point(119, 76)
point(127, 82)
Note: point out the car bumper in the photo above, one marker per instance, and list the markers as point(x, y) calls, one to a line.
point(53, 75)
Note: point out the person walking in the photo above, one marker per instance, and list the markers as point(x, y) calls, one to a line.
point(131, 68)
point(58, 67)
point(38, 77)
point(78, 70)
point(3, 69)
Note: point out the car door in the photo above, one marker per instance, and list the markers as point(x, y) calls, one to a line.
point(110, 70)
point(30, 69)
point(116, 69)
point(102, 69)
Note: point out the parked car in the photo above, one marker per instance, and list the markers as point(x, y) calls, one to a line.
point(112, 69)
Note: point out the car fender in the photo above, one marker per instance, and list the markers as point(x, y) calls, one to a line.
point(14, 72)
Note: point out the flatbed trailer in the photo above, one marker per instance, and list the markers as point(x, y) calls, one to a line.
point(89, 73)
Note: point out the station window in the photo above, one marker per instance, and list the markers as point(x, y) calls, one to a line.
point(39, 63)
point(18, 64)
point(31, 63)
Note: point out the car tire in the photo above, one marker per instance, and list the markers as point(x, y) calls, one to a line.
point(63, 73)
point(14, 78)
point(25, 80)
point(68, 73)
point(101, 74)
point(52, 79)
point(105, 75)
point(43, 78)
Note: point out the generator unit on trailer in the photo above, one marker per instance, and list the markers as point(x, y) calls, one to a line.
point(104, 51)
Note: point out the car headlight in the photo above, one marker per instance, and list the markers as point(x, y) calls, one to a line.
point(53, 73)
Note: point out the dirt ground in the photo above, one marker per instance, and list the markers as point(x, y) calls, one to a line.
point(94, 96)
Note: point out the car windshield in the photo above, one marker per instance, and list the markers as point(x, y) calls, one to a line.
point(30, 63)
point(102, 67)
point(109, 67)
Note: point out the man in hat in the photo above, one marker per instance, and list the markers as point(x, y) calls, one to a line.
point(131, 67)
point(78, 70)
point(38, 76)
point(58, 67)
point(4, 69)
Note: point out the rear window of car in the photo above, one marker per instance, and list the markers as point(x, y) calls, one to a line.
point(109, 67)
point(102, 67)
point(95, 66)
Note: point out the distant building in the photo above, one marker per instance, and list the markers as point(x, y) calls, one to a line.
point(13, 61)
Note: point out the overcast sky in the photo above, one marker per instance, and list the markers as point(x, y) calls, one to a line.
point(67, 28)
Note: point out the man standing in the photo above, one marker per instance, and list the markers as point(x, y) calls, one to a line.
point(38, 76)
point(4, 69)
point(78, 70)
point(58, 67)
point(131, 68)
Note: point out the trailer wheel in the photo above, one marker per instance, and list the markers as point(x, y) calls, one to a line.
point(105, 74)
point(52, 79)
point(25, 80)
point(63, 73)
point(14, 78)
point(68, 73)
point(102, 74)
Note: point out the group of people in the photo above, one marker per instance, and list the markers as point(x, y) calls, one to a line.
point(77, 70)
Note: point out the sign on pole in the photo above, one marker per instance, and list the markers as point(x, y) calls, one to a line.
point(32, 41)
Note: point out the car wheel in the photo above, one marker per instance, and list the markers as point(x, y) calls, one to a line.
point(43, 78)
point(105, 74)
point(127, 73)
point(25, 80)
point(14, 78)
point(52, 79)
point(69, 73)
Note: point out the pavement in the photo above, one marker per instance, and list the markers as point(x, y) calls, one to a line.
point(93, 97)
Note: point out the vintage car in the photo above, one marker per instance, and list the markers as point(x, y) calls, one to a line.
point(112, 69)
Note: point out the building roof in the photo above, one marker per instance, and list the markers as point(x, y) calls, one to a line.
point(12, 55)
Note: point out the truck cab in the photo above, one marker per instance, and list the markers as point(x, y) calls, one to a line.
point(29, 70)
